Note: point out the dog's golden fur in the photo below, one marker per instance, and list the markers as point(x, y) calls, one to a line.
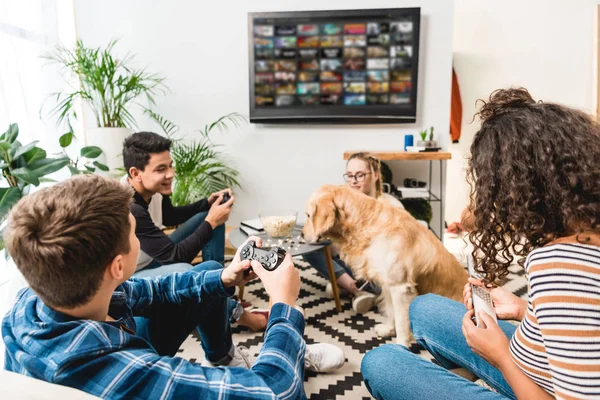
point(386, 245)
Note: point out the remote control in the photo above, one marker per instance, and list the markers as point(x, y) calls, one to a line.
point(269, 259)
point(482, 300)
point(226, 198)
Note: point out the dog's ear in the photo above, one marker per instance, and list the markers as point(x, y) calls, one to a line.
point(323, 216)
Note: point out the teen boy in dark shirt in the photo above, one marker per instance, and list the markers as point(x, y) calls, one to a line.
point(147, 159)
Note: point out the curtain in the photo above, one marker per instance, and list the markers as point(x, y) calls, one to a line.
point(29, 28)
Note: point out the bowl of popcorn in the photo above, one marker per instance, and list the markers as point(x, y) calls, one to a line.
point(278, 223)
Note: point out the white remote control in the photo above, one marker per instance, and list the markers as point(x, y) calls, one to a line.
point(482, 300)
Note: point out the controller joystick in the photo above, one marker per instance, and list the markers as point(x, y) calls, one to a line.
point(269, 259)
point(225, 199)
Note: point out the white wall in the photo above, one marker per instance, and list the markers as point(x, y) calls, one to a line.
point(546, 46)
point(201, 47)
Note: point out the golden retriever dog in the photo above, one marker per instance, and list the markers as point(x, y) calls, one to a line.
point(386, 245)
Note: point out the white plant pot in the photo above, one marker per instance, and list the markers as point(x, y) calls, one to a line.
point(110, 140)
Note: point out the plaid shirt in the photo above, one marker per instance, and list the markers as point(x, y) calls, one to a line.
point(102, 359)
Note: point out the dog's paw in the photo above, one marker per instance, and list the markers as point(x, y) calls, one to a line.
point(385, 330)
point(404, 341)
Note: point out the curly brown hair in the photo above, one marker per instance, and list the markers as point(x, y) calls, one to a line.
point(534, 176)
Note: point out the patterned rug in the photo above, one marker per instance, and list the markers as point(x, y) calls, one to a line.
point(348, 330)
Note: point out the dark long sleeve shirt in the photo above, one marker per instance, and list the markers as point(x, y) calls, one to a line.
point(156, 244)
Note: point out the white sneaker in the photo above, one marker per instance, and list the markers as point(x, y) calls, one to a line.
point(301, 311)
point(363, 302)
point(323, 357)
point(329, 291)
point(241, 358)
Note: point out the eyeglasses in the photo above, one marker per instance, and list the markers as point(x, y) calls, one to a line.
point(360, 176)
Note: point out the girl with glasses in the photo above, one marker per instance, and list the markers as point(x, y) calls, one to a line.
point(363, 173)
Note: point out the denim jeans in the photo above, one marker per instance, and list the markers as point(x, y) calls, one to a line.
point(317, 260)
point(171, 324)
point(393, 372)
point(214, 250)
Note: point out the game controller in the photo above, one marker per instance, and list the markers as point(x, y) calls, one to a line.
point(226, 198)
point(269, 259)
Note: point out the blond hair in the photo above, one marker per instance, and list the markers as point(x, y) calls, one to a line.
point(62, 238)
point(375, 167)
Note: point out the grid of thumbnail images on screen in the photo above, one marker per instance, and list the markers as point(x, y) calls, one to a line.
point(347, 64)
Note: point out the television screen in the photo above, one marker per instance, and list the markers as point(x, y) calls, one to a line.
point(334, 66)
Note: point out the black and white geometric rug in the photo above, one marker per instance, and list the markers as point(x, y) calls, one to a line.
point(350, 331)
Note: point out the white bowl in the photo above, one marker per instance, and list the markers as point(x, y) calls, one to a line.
point(278, 223)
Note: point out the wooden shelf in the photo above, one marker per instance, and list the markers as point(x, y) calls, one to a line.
point(405, 155)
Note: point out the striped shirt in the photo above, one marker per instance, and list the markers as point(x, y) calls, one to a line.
point(558, 342)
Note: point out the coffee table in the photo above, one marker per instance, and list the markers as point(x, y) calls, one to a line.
point(296, 247)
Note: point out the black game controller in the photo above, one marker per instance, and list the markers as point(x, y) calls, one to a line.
point(226, 198)
point(270, 259)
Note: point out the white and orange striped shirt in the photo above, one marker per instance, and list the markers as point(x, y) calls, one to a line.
point(558, 342)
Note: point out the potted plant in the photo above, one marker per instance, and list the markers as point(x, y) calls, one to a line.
point(200, 168)
point(111, 88)
point(85, 162)
point(22, 166)
point(431, 142)
point(423, 141)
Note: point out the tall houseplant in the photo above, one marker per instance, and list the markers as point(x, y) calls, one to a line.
point(111, 88)
point(22, 166)
point(200, 167)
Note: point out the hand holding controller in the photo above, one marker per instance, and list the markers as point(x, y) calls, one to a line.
point(482, 300)
point(269, 259)
point(226, 198)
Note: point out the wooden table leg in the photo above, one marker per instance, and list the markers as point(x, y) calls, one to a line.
point(332, 278)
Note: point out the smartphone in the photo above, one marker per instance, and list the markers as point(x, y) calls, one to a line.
point(482, 299)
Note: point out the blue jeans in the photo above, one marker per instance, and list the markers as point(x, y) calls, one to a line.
point(213, 250)
point(317, 260)
point(393, 372)
point(171, 324)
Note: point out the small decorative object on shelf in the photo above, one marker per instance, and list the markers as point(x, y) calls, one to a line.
point(431, 143)
point(424, 144)
point(423, 141)
point(408, 141)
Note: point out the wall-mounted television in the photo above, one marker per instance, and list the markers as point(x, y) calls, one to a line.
point(345, 66)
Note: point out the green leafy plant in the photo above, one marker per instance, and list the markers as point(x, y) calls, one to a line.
point(22, 166)
point(107, 84)
point(417, 207)
point(423, 134)
point(85, 162)
point(200, 168)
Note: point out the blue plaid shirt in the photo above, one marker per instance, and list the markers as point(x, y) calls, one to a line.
point(102, 359)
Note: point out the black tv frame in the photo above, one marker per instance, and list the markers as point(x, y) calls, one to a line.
point(344, 114)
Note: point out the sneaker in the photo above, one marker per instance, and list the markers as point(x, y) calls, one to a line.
point(363, 302)
point(240, 358)
point(329, 291)
point(301, 311)
point(323, 357)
